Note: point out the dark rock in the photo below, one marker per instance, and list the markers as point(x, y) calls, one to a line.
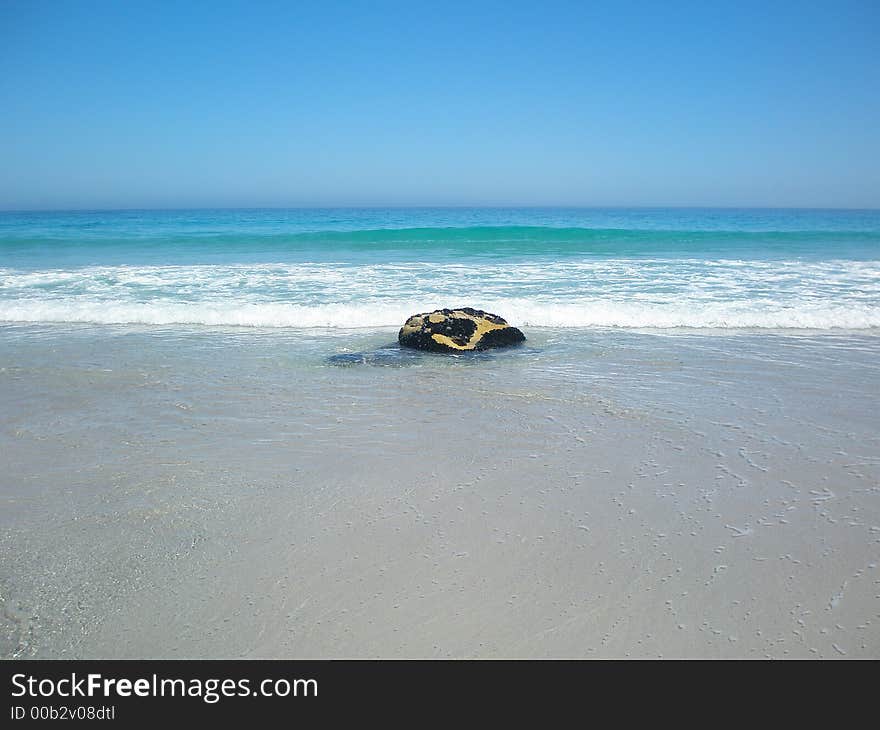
point(455, 330)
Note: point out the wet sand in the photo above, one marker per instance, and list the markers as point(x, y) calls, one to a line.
point(213, 493)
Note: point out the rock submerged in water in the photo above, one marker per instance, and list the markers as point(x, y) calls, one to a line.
point(456, 330)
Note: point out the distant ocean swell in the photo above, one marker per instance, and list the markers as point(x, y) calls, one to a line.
point(506, 240)
point(585, 292)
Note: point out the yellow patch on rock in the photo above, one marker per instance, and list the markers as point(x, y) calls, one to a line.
point(483, 326)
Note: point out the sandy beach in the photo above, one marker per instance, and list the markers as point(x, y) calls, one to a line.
point(389, 355)
point(195, 493)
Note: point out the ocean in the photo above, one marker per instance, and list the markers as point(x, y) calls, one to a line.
point(210, 445)
point(362, 268)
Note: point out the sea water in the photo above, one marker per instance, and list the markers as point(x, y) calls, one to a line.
point(363, 268)
point(210, 447)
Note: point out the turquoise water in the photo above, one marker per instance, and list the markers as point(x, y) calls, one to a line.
point(343, 268)
point(182, 389)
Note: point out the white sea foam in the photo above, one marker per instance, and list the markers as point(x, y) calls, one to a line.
point(631, 293)
point(393, 312)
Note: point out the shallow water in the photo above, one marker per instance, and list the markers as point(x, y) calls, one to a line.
point(174, 491)
point(211, 446)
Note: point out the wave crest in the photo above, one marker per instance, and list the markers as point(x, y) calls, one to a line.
point(583, 314)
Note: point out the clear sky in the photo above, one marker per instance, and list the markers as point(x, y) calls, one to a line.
point(250, 104)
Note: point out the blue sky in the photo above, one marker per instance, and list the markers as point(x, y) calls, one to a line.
point(249, 104)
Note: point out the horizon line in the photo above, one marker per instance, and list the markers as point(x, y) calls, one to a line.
point(161, 209)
